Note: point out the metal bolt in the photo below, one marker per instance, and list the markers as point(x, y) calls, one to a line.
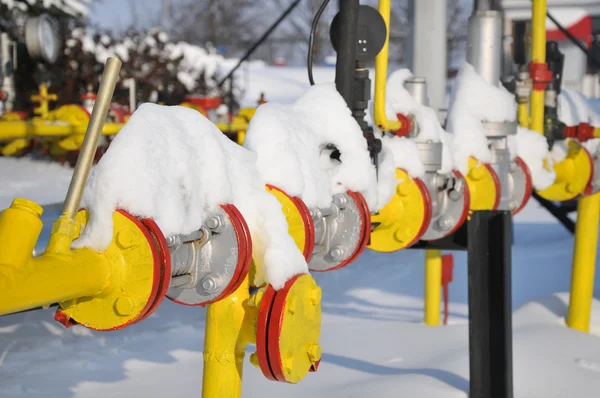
point(125, 238)
point(214, 222)
point(209, 284)
point(337, 253)
point(340, 200)
point(513, 205)
point(172, 240)
point(254, 360)
point(454, 195)
point(513, 167)
point(124, 305)
point(445, 223)
point(314, 352)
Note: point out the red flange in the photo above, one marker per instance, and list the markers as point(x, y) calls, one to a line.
point(528, 184)
point(262, 327)
point(466, 202)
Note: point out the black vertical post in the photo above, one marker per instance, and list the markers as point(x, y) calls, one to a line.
point(346, 53)
point(490, 304)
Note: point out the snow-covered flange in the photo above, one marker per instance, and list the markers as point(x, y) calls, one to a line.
point(288, 330)
point(330, 238)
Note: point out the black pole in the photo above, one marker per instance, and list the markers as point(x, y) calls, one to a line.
point(260, 40)
point(346, 53)
point(490, 304)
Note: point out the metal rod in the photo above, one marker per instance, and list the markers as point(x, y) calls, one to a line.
point(559, 213)
point(92, 135)
point(490, 304)
point(260, 41)
point(346, 53)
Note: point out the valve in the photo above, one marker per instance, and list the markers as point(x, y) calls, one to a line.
point(212, 262)
point(330, 238)
point(450, 198)
point(288, 330)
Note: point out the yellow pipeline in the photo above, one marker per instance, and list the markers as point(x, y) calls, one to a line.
point(538, 56)
point(27, 282)
point(584, 262)
point(228, 330)
point(381, 66)
point(433, 291)
point(523, 114)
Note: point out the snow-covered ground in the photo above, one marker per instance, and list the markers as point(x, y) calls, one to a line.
point(374, 341)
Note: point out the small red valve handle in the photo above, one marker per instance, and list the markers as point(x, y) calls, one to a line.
point(447, 271)
point(540, 75)
point(406, 124)
point(581, 132)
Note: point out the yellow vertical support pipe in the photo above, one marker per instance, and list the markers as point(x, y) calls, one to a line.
point(224, 345)
point(433, 286)
point(538, 56)
point(584, 262)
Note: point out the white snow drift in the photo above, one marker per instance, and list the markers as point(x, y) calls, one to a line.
point(172, 164)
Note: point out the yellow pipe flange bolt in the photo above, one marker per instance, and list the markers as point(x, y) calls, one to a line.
point(288, 330)
point(484, 186)
point(404, 219)
point(573, 174)
point(134, 283)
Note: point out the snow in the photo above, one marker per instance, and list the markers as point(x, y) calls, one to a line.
point(292, 137)
point(405, 154)
point(574, 108)
point(374, 342)
point(173, 165)
point(532, 148)
point(474, 101)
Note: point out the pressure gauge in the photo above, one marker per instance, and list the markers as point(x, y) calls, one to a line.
point(42, 38)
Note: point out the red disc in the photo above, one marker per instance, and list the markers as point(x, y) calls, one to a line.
point(262, 333)
point(496, 184)
point(274, 329)
point(365, 230)
point(528, 184)
point(245, 248)
point(428, 211)
point(309, 228)
point(466, 203)
point(166, 263)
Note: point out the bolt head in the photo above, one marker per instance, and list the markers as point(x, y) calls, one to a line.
point(314, 352)
point(209, 284)
point(337, 253)
point(126, 238)
point(445, 223)
point(213, 222)
point(124, 305)
point(340, 200)
point(403, 189)
point(513, 205)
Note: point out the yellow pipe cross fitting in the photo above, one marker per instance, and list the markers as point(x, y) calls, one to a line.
point(484, 186)
point(573, 174)
point(404, 219)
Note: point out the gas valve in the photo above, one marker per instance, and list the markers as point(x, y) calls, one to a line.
point(210, 263)
point(195, 269)
point(450, 199)
point(341, 232)
point(330, 238)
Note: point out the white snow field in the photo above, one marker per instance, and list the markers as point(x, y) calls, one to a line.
point(374, 341)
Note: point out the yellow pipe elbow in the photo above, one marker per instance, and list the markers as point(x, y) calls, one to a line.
point(381, 66)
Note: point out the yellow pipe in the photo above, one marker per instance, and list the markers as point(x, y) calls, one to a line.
point(228, 331)
point(433, 282)
point(10, 130)
point(27, 282)
point(523, 114)
point(584, 262)
point(381, 66)
point(538, 56)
